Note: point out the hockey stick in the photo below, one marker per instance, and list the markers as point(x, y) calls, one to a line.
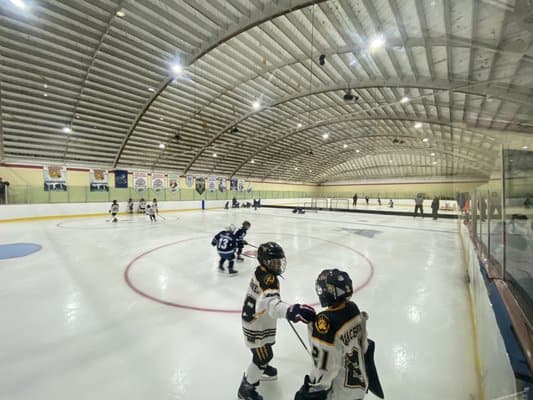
point(160, 216)
point(299, 337)
point(251, 245)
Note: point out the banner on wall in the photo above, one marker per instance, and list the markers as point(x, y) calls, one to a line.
point(189, 179)
point(98, 180)
point(233, 184)
point(240, 185)
point(200, 184)
point(140, 181)
point(173, 182)
point(158, 182)
point(249, 189)
point(222, 185)
point(211, 183)
point(121, 178)
point(55, 178)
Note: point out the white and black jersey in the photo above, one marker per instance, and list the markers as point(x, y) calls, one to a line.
point(262, 307)
point(339, 341)
point(113, 209)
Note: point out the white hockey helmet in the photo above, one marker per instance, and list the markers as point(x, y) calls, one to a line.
point(231, 228)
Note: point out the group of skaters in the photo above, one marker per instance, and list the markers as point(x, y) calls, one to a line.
point(245, 204)
point(343, 355)
point(367, 201)
point(152, 210)
point(229, 243)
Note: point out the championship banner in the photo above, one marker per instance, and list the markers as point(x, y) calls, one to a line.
point(98, 180)
point(121, 178)
point(189, 179)
point(140, 181)
point(200, 184)
point(211, 183)
point(55, 178)
point(233, 184)
point(158, 182)
point(240, 185)
point(173, 182)
point(222, 185)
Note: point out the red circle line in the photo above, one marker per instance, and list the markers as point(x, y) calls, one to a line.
point(219, 310)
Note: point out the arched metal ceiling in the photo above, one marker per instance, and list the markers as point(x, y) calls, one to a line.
point(103, 68)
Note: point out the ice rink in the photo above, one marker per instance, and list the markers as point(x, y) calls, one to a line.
point(137, 310)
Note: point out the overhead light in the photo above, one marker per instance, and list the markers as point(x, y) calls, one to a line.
point(425, 140)
point(67, 129)
point(253, 161)
point(214, 154)
point(77, 116)
point(390, 161)
point(376, 43)
point(161, 146)
point(151, 89)
point(299, 125)
point(418, 125)
point(235, 129)
point(404, 99)
point(433, 154)
point(296, 168)
point(345, 145)
point(357, 151)
point(310, 170)
point(256, 105)
point(161, 118)
point(18, 3)
point(120, 13)
point(45, 86)
point(325, 135)
point(177, 69)
point(525, 147)
point(45, 95)
point(434, 162)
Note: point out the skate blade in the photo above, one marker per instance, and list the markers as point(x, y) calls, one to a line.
point(265, 378)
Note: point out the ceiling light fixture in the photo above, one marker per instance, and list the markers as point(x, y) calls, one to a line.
point(177, 69)
point(525, 147)
point(434, 162)
point(67, 129)
point(357, 151)
point(161, 146)
point(345, 145)
point(18, 3)
point(376, 43)
point(235, 129)
point(253, 161)
point(161, 118)
point(322, 59)
point(418, 125)
point(433, 154)
point(120, 13)
point(151, 89)
point(256, 105)
point(404, 99)
point(325, 135)
point(45, 95)
point(425, 140)
point(214, 154)
point(299, 125)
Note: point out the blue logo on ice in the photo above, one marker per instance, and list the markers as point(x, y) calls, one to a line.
point(369, 233)
point(14, 250)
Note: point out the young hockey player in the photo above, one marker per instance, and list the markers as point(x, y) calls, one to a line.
point(130, 205)
point(262, 307)
point(225, 243)
point(239, 237)
point(113, 209)
point(150, 211)
point(155, 206)
point(343, 366)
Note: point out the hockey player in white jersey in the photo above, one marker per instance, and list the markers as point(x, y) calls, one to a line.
point(113, 210)
point(262, 307)
point(343, 366)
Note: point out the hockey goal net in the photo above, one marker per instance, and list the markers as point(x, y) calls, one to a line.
point(339, 203)
point(316, 204)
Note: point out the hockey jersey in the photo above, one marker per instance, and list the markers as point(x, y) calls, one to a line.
point(339, 342)
point(262, 307)
point(225, 242)
point(239, 236)
point(114, 208)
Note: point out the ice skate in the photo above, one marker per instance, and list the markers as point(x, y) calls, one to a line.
point(269, 374)
point(232, 272)
point(247, 391)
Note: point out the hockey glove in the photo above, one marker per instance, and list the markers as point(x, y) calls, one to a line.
point(305, 394)
point(301, 313)
point(214, 242)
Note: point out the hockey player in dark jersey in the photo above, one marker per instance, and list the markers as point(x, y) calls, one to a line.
point(239, 237)
point(225, 243)
point(262, 307)
point(343, 366)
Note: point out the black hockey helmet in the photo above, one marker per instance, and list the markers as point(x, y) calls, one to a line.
point(246, 225)
point(271, 256)
point(333, 286)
